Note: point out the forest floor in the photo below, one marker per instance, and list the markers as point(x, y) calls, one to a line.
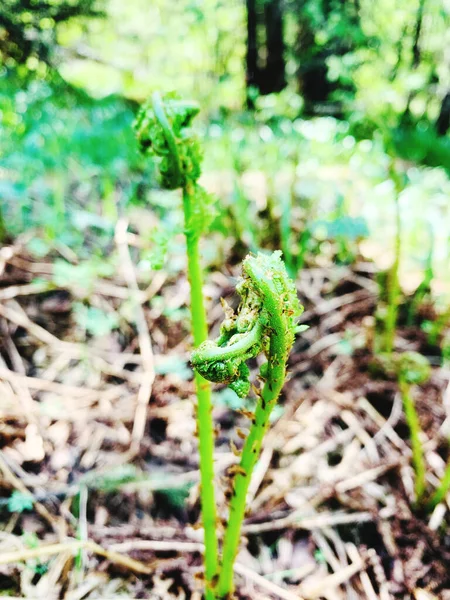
point(99, 464)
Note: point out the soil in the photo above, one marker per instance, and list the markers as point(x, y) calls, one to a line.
point(332, 512)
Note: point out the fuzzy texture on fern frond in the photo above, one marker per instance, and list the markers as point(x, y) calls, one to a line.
point(164, 131)
point(268, 302)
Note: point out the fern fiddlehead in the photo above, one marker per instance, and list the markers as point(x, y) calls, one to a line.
point(163, 128)
point(265, 323)
point(164, 131)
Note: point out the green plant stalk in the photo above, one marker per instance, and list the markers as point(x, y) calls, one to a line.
point(59, 209)
point(3, 232)
point(412, 420)
point(242, 210)
point(393, 284)
point(425, 285)
point(109, 208)
point(204, 406)
point(304, 238)
point(163, 129)
point(442, 491)
point(286, 231)
point(393, 279)
point(250, 455)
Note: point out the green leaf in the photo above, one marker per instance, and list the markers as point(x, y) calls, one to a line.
point(95, 321)
point(175, 365)
point(176, 497)
point(113, 479)
point(38, 247)
point(30, 540)
point(19, 502)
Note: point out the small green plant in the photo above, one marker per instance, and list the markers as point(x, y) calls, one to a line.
point(413, 369)
point(393, 282)
point(423, 291)
point(409, 368)
point(441, 492)
point(435, 329)
point(31, 541)
point(265, 323)
point(163, 128)
point(93, 320)
point(19, 502)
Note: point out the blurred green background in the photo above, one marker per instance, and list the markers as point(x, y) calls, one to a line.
point(307, 108)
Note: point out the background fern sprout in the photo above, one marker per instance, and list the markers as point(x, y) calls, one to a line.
point(163, 128)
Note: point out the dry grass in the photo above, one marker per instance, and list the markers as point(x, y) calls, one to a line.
point(107, 451)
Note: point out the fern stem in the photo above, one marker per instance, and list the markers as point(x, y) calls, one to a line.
point(265, 322)
point(416, 445)
point(163, 128)
point(204, 405)
point(393, 277)
point(442, 491)
point(250, 455)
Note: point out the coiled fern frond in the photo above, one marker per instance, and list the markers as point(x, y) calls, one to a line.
point(164, 131)
point(264, 323)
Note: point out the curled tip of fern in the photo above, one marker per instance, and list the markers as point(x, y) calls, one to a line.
point(409, 367)
point(163, 130)
point(266, 322)
point(266, 274)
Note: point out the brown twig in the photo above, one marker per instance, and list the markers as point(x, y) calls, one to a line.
point(145, 343)
point(264, 583)
point(16, 483)
point(74, 546)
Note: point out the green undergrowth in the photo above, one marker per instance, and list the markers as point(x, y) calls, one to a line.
point(68, 162)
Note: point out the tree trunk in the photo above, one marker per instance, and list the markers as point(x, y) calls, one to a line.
point(443, 121)
point(417, 32)
point(270, 77)
point(273, 78)
point(252, 71)
point(416, 57)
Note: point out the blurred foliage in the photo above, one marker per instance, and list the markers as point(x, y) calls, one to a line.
point(19, 502)
point(28, 28)
point(196, 46)
point(410, 367)
point(64, 157)
point(93, 320)
point(310, 174)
